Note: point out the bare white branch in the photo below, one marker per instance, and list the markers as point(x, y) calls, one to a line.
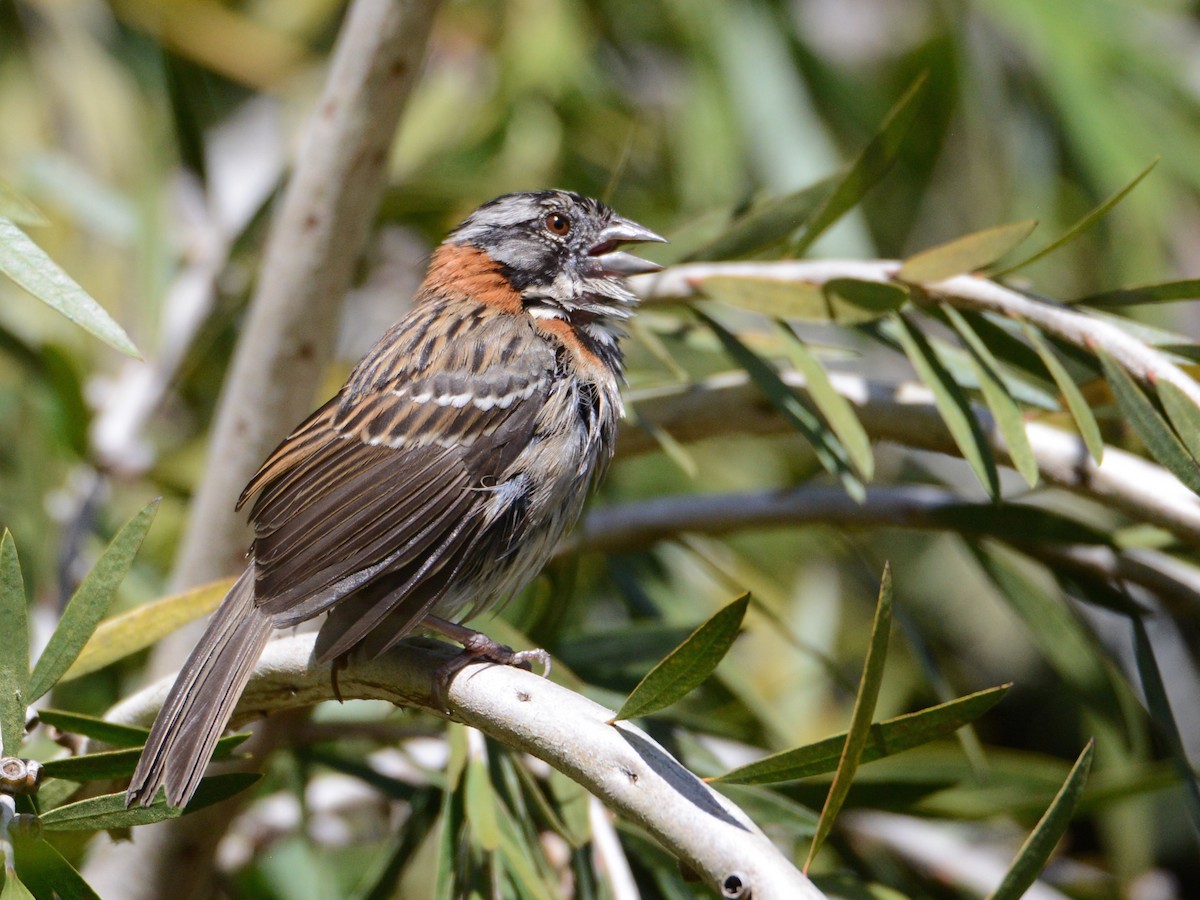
point(968, 291)
point(906, 414)
point(619, 763)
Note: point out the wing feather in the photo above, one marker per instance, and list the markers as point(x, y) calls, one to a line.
point(377, 503)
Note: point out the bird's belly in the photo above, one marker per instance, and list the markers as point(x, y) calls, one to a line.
point(530, 510)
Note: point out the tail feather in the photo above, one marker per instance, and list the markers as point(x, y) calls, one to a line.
point(199, 705)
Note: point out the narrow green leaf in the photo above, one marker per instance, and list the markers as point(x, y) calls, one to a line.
point(1160, 711)
point(95, 728)
point(844, 301)
point(531, 788)
point(672, 449)
point(117, 764)
point(1160, 292)
point(480, 802)
point(1085, 421)
point(885, 738)
point(648, 337)
point(13, 888)
point(1031, 859)
point(855, 300)
point(519, 856)
point(357, 767)
point(108, 811)
point(688, 665)
point(143, 626)
point(114, 735)
point(1184, 415)
point(216, 788)
point(1000, 333)
point(835, 408)
point(996, 394)
point(54, 792)
point(89, 603)
point(951, 402)
point(448, 851)
point(1150, 426)
point(859, 734)
point(771, 297)
point(14, 649)
point(958, 362)
point(965, 254)
point(27, 264)
point(828, 449)
point(105, 764)
point(870, 166)
point(1079, 227)
point(571, 801)
point(765, 224)
point(19, 208)
point(381, 882)
point(48, 874)
point(1066, 644)
point(762, 804)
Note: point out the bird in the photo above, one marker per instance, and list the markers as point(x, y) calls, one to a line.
point(438, 480)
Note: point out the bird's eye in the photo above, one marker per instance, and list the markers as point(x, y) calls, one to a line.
point(557, 223)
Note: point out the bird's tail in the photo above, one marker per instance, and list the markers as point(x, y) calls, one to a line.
point(201, 701)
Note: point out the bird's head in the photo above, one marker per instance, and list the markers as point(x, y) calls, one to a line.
point(558, 250)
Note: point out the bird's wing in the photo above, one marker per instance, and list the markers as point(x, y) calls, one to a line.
point(387, 487)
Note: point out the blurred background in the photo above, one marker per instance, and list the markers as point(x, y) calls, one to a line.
point(155, 136)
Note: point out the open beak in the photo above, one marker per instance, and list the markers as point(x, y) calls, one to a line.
point(617, 262)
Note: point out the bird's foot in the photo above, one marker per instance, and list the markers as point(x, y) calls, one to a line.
point(477, 647)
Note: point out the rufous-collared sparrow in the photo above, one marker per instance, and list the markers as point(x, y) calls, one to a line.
point(439, 479)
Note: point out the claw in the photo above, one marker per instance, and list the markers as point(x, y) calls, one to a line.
point(477, 647)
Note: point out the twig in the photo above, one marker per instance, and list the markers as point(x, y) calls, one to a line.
point(968, 291)
point(633, 525)
point(906, 414)
point(620, 764)
point(636, 525)
point(1172, 580)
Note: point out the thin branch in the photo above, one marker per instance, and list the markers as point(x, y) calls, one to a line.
point(968, 291)
point(906, 414)
point(619, 763)
point(1172, 580)
point(636, 525)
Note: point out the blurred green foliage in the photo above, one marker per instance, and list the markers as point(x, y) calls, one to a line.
point(144, 132)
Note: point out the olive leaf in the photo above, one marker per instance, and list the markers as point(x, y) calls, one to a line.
point(859, 734)
point(688, 665)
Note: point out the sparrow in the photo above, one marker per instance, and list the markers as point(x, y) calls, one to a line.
point(440, 478)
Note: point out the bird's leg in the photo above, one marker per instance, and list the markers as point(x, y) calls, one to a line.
point(476, 646)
